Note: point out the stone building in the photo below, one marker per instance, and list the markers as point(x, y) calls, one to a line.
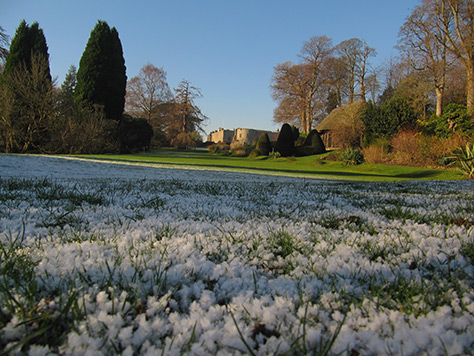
point(247, 136)
point(221, 135)
point(239, 135)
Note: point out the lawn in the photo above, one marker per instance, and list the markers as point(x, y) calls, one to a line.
point(107, 259)
point(309, 167)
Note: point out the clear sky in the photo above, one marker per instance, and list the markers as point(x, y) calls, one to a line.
point(228, 48)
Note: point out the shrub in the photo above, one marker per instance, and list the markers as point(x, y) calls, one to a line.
point(375, 154)
point(285, 144)
point(184, 140)
point(274, 154)
point(333, 157)
point(312, 145)
point(219, 148)
point(263, 147)
point(378, 151)
point(464, 159)
point(455, 120)
point(134, 134)
point(405, 146)
point(437, 151)
point(387, 120)
point(296, 132)
point(352, 157)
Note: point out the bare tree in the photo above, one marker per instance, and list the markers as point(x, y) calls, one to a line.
point(455, 19)
point(4, 43)
point(425, 44)
point(296, 87)
point(147, 92)
point(26, 98)
point(186, 116)
point(290, 89)
point(355, 54)
point(372, 86)
point(363, 67)
point(348, 51)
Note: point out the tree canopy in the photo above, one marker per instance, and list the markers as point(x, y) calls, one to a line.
point(27, 42)
point(101, 78)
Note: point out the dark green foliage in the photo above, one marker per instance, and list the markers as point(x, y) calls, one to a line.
point(28, 41)
point(285, 144)
point(314, 141)
point(312, 145)
point(4, 38)
point(66, 94)
point(387, 95)
point(388, 119)
point(134, 134)
point(351, 157)
point(101, 78)
point(333, 101)
point(454, 120)
point(264, 146)
point(26, 92)
point(296, 132)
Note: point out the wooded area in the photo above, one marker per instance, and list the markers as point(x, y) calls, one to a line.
point(426, 92)
point(421, 100)
point(86, 114)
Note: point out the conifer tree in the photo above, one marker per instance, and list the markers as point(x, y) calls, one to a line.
point(285, 144)
point(263, 145)
point(26, 92)
point(315, 143)
point(101, 78)
point(28, 41)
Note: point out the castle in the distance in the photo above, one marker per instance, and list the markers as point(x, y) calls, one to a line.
point(244, 136)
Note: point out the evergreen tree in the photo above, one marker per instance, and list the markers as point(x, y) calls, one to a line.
point(28, 41)
point(263, 145)
point(66, 95)
point(315, 143)
point(26, 92)
point(285, 144)
point(388, 119)
point(101, 78)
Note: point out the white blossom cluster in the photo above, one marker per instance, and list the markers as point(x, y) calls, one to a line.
point(105, 259)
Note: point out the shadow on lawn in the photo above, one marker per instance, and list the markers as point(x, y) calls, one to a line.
point(419, 174)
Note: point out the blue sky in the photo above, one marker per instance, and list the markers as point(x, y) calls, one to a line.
point(228, 48)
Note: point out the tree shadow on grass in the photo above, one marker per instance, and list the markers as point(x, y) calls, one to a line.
point(424, 174)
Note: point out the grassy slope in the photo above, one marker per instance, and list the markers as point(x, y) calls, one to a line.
point(311, 166)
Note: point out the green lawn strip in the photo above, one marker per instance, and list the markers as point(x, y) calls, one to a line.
point(310, 167)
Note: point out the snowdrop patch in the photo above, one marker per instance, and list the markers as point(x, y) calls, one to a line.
point(106, 259)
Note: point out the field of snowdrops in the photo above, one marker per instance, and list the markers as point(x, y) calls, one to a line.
point(104, 259)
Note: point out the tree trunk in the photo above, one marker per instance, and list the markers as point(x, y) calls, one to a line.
point(470, 85)
point(362, 90)
point(439, 101)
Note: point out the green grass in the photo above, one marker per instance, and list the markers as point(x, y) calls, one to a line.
point(310, 166)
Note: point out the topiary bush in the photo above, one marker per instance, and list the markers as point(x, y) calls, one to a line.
point(264, 146)
point(285, 144)
point(313, 145)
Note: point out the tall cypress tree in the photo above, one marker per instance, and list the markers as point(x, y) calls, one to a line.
point(101, 78)
point(28, 41)
point(26, 91)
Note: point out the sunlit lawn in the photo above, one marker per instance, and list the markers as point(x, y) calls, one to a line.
point(310, 167)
